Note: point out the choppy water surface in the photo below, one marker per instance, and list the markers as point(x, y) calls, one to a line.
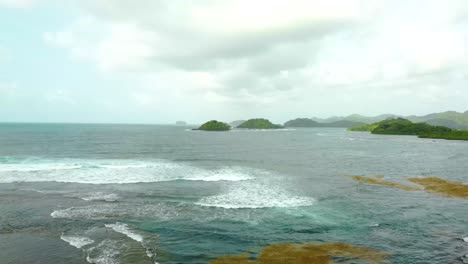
point(146, 194)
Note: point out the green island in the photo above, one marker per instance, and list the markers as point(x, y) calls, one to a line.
point(401, 126)
point(259, 123)
point(214, 125)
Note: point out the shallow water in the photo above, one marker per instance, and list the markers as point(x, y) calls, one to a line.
point(141, 193)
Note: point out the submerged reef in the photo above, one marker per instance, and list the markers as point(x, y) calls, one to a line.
point(430, 184)
point(380, 181)
point(307, 253)
point(442, 187)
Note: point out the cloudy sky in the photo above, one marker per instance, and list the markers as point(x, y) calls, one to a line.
point(150, 61)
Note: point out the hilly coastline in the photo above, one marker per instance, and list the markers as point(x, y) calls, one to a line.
point(451, 119)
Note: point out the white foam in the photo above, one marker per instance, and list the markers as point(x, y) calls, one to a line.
point(37, 167)
point(465, 239)
point(226, 174)
point(254, 195)
point(91, 212)
point(106, 252)
point(100, 196)
point(77, 241)
point(118, 172)
point(124, 229)
point(124, 166)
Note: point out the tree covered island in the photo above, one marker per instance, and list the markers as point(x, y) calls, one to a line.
point(259, 123)
point(214, 125)
point(401, 126)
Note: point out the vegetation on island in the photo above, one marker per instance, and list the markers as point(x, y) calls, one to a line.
point(452, 135)
point(367, 127)
point(317, 253)
point(401, 126)
point(259, 123)
point(214, 125)
point(307, 122)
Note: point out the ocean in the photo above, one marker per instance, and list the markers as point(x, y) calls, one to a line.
point(90, 193)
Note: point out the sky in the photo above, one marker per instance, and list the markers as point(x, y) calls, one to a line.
point(126, 61)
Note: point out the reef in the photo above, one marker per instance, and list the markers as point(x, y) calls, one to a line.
point(307, 253)
point(430, 184)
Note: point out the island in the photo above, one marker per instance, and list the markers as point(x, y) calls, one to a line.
point(214, 125)
point(401, 126)
point(259, 123)
point(308, 122)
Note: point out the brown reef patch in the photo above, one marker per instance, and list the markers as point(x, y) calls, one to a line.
point(310, 253)
point(442, 187)
point(379, 181)
point(430, 184)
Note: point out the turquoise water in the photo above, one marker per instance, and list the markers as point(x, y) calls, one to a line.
point(166, 194)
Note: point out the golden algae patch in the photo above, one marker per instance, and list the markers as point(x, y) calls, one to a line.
point(380, 181)
point(310, 253)
point(430, 184)
point(442, 187)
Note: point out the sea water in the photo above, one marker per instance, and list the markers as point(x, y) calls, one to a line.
point(76, 193)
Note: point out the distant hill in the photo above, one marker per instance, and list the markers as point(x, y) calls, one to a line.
point(236, 123)
point(451, 119)
point(302, 122)
point(329, 119)
point(308, 122)
point(355, 118)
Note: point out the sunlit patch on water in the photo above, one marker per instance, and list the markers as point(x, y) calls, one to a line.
point(307, 253)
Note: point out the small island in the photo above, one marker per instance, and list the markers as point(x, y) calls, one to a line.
point(214, 125)
point(401, 126)
point(259, 123)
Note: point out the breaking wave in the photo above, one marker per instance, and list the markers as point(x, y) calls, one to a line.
point(116, 172)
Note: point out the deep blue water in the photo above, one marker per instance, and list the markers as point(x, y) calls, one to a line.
point(145, 193)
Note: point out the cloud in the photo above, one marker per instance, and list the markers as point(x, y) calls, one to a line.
point(18, 3)
point(270, 52)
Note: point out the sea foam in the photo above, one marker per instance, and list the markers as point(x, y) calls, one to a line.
point(124, 229)
point(77, 241)
point(255, 195)
point(117, 172)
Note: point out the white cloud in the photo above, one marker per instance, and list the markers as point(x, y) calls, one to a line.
point(18, 3)
point(8, 89)
point(270, 52)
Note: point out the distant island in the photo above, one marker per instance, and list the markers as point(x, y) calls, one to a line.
point(214, 125)
point(307, 122)
point(401, 126)
point(450, 119)
point(259, 123)
point(181, 123)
